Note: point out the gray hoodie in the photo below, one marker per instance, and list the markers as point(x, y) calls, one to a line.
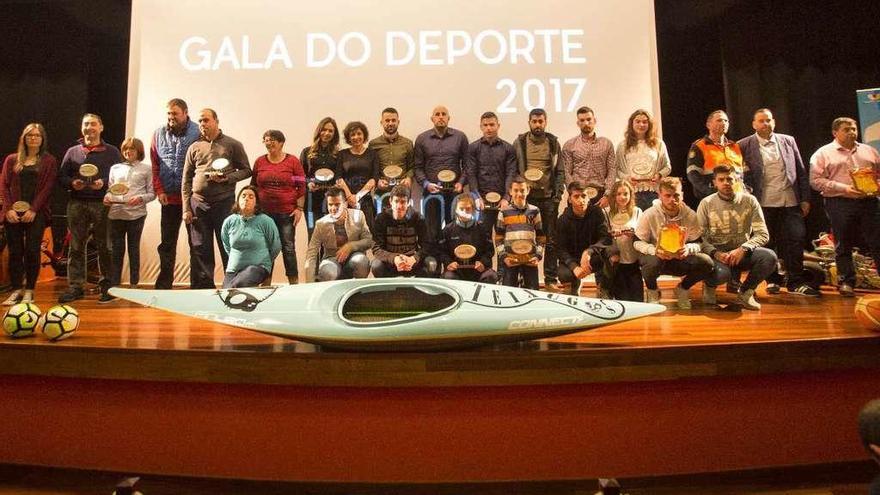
point(654, 218)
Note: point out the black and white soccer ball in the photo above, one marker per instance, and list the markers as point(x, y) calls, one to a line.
point(21, 320)
point(60, 322)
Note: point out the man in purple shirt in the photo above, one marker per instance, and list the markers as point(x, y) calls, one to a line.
point(850, 210)
point(438, 149)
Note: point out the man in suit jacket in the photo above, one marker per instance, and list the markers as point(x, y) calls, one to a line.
point(778, 179)
point(344, 238)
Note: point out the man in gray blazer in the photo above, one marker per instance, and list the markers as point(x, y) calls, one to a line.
point(776, 175)
point(344, 238)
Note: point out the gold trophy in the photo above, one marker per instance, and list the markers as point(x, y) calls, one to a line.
point(492, 201)
point(88, 173)
point(671, 239)
point(118, 190)
point(21, 207)
point(521, 251)
point(533, 175)
point(447, 180)
point(217, 168)
point(393, 174)
point(464, 255)
point(323, 178)
point(865, 181)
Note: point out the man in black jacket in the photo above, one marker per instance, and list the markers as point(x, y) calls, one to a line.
point(582, 239)
point(464, 247)
point(400, 240)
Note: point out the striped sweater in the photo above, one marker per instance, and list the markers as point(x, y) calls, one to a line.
point(516, 223)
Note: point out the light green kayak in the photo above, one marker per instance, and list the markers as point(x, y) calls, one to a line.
point(395, 314)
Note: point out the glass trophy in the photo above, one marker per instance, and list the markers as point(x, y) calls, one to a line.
point(447, 180)
point(323, 178)
point(393, 174)
point(117, 192)
point(492, 201)
point(217, 168)
point(88, 173)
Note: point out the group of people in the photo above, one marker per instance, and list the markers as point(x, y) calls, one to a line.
point(487, 203)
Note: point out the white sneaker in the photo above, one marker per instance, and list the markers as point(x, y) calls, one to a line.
point(13, 299)
point(652, 296)
point(683, 296)
point(709, 295)
point(28, 296)
point(747, 300)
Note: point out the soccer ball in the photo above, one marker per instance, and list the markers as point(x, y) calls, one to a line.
point(60, 322)
point(21, 320)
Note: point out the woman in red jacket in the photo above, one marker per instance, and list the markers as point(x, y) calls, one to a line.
point(25, 185)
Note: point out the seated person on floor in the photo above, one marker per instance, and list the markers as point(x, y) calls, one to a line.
point(734, 234)
point(519, 237)
point(622, 216)
point(252, 241)
point(464, 247)
point(582, 240)
point(344, 238)
point(668, 238)
point(401, 240)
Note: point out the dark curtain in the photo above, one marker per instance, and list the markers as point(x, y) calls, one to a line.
point(802, 59)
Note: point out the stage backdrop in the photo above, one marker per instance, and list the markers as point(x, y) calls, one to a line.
point(272, 65)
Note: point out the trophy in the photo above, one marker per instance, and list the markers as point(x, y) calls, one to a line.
point(865, 181)
point(118, 190)
point(619, 224)
point(521, 251)
point(88, 173)
point(323, 178)
point(492, 201)
point(393, 174)
point(642, 171)
point(533, 175)
point(217, 167)
point(21, 207)
point(464, 255)
point(591, 191)
point(447, 180)
point(671, 239)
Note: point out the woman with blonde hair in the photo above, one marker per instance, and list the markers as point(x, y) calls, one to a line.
point(622, 216)
point(642, 158)
point(26, 183)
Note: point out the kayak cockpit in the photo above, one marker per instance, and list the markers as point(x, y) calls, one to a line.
point(393, 303)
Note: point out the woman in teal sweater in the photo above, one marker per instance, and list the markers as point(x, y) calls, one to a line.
point(252, 241)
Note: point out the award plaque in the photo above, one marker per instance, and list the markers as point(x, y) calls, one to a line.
point(642, 171)
point(865, 181)
point(533, 175)
point(671, 239)
point(393, 174)
point(592, 191)
point(119, 189)
point(323, 178)
point(447, 180)
point(619, 223)
point(522, 250)
point(464, 254)
point(492, 201)
point(217, 167)
point(88, 172)
point(21, 207)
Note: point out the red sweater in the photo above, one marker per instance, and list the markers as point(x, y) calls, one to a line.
point(10, 192)
point(279, 185)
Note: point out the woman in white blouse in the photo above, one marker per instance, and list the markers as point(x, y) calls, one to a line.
point(642, 158)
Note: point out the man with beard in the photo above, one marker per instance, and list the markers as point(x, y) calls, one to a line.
point(712, 150)
point(538, 152)
point(392, 149)
point(437, 149)
point(167, 154)
point(584, 242)
point(589, 159)
point(213, 165)
point(491, 165)
point(734, 234)
point(86, 213)
point(400, 247)
point(466, 231)
point(778, 179)
point(672, 218)
point(344, 238)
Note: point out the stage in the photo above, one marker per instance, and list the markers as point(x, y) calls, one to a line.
point(707, 390)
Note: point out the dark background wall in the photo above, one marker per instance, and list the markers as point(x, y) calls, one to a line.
point(803, 59)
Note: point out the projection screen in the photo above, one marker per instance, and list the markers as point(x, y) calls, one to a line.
point(285, 65)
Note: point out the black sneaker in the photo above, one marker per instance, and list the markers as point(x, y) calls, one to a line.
point(70, 295)
point(105, 297)
point(773, 288)
point(733, 287)
point(804, 290)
